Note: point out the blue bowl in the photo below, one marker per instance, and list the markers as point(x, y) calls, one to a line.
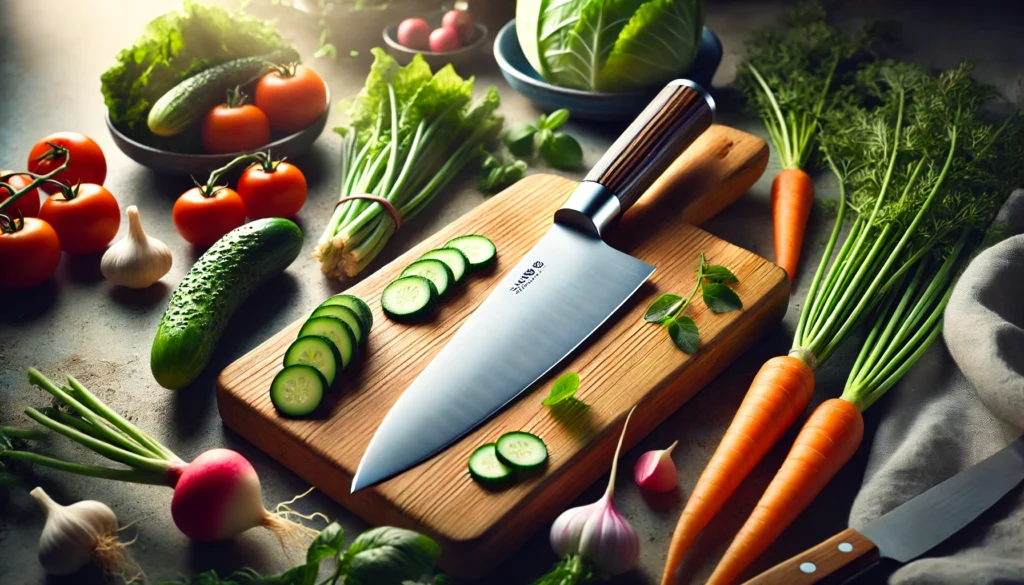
point(591, 105)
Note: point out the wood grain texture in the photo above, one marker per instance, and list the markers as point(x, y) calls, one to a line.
point(838, 557)
point(627, 362)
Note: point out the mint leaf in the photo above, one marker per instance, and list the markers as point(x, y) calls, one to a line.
point(554, 120)
point(684, 334)
point(519, 139)
point(718, 274)
point(563, 389)
point(561, 151)
point(720, 298)
point(664, 306)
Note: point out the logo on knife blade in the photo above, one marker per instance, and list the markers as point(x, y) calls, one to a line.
point(528, 276)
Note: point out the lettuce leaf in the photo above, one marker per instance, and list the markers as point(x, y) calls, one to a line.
point(659, 43)
point(174, 47)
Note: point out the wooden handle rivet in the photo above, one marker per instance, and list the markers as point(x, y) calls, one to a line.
point(845, 547)
point(808, 568)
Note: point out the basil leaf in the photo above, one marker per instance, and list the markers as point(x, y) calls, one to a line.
point(684, 334)
point(555, 120)
point(563, 389)
point(562, 151)
point(519, 139)
point(720, 298)
point(718, 274)
point(389, 556)
point(664, 306)
point(301, 575)
point(327, 544)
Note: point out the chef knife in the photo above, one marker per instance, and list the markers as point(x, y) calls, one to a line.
point(910, 530)
point(558, 294)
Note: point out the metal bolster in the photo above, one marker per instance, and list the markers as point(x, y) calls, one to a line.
point(590, 209)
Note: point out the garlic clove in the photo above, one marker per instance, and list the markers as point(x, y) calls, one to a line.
point(71, 533)
point(136, 261)
point(655, 471)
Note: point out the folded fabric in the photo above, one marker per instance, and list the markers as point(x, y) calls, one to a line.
point(963, 401)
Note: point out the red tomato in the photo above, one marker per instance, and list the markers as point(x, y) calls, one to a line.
point(292, 97)
point(87, 165)
point(203, 220)
point(29, 255)
point(277, 192)
point(444, 40)
point(87, 222)
point(27, 204)
point(461, 21)
point(228, 129)
point(414, 33)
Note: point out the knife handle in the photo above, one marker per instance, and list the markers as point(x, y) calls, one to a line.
point(847, 551)
point(680, 113)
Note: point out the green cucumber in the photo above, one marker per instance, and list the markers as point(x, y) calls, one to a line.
point(409, 299)
point(356, 304)
point(337, 332)
point(187, 103)
point(455, 260)
point(479, 250)
point(486, 470)
point(435, 271)
point(345, 314)
point(521, 451)
point(201, 306)
point(317, 351)
point(298, 390)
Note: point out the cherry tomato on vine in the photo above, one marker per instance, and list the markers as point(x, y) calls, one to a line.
point(272, 190)
point(86, 222)
point(87, 164)
point(229, 128)
point(203, 219)
point(29, 253)
point(292, 97)
point(27, 204)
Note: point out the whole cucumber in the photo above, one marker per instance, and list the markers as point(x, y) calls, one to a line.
point(220, 280)
point(190, 100)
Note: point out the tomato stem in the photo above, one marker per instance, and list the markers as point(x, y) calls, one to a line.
point(210, 188)
point(36, 179)
point(236, 97)
point(284, 71)
point(9, 225)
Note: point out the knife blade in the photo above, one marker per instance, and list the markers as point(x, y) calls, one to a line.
point(554, 298)
point(911, 529)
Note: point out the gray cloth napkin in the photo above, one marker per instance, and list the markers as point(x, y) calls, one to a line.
point(963, 401)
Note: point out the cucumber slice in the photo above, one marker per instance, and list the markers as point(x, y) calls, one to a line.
point(335, 330)
point(410, 298)
point(455, 260)
point(317, 351)
point(354, 303)
point(521, 451)
point(297, 390)
point(485, 468)
point(478, 250)
point(350, 317)
point(434, 270)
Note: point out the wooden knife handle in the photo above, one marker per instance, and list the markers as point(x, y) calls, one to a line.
point(666, 127)
point(847, 551)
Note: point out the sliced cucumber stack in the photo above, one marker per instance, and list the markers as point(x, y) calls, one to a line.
point(347, 315)
point(485, 468)
point(354, 303)
point(435, 271)
point(479, 250)
point(298, 390)
point(408, 299)
point(337, 332)
point(454, 259)
point(317, 351)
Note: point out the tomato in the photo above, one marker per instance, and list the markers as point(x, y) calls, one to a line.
point(27, 204)
point(29, 255)
point(87, 165)
point(273, 190)
point(292, 97)
point(203, 220)
point(87, 222)
point(229, 129)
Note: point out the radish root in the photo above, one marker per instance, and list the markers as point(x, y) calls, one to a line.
point(282, 522)
point(110, 555)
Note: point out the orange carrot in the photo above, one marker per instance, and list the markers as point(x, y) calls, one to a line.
point(825, 443)
point(792, 196)
point(778, 395)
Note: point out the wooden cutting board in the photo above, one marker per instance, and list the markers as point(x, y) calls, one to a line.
point(628, 362)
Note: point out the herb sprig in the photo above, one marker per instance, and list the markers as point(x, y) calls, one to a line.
point(667, 310)
point(563, 391)
point(558, 149)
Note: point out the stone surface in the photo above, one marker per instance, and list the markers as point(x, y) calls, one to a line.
point(51, 57)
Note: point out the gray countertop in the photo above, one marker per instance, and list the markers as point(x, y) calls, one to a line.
point(51, 57)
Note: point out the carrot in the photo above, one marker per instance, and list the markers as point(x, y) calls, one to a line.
point(825, 443)
point(792, 196)
point(779, 394)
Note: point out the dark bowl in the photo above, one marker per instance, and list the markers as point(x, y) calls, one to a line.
point(457, 57)
point(184, 163)
point(592, 105)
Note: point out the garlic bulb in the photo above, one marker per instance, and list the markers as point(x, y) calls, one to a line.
point(597, 532)
point(655, 471)
point(76, 534)
point(136, 261)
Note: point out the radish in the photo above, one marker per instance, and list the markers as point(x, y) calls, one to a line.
point(444, 39)
point(216, 497)
point(461, 21)
point(414, 33)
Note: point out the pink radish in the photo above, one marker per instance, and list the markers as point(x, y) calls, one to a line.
point(216, 497)
point(461, 21)
point(444, 40)
point(414, 33)
point(655, 471)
